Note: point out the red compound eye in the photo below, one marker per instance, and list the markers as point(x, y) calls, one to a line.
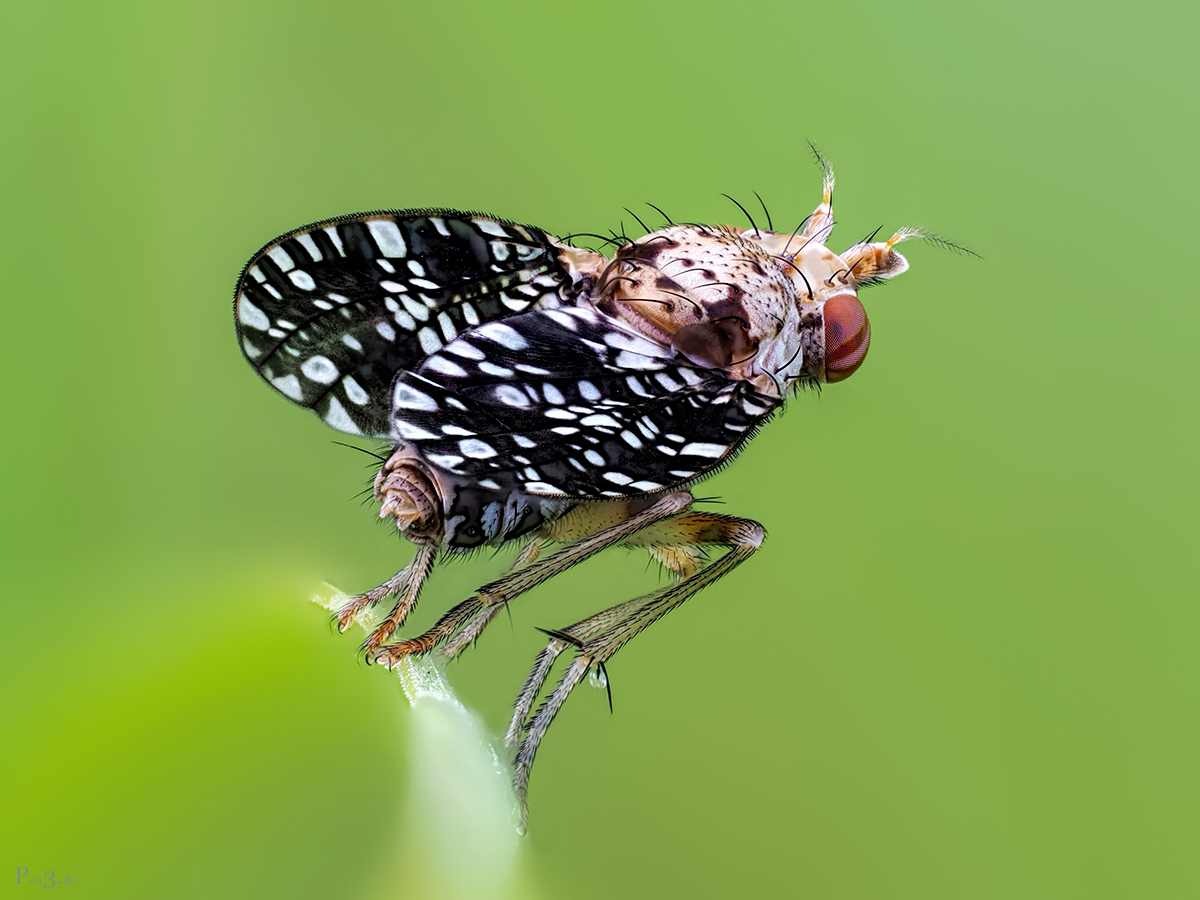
point(847, 336)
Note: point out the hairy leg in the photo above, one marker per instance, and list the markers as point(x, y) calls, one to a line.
point(597, 638)
point(493, 596)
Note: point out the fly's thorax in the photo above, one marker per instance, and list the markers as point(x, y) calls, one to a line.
point(431, 506)
point(714, 297)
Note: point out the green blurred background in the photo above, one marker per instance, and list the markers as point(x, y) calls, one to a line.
point(964, 664)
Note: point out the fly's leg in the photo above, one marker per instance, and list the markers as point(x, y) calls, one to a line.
point(678, 543)
point(494, 595)
point(584, 520)
point(406, 584)
point(597, 638)
point(471, 631)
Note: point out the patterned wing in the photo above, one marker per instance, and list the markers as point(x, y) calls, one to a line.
point(569, 402)
point(330, 313)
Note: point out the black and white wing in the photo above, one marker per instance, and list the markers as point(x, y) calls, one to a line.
point(329, 313)
point(569, 402)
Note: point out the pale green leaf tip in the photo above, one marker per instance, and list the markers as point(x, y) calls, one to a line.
point(462, 802)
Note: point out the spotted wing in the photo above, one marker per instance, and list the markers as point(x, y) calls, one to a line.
point(569, 402)
point(330, 313)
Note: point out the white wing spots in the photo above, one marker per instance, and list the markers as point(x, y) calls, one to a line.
point(587, 390)
point(523, 441)
point(440, 225)
point(404, 320)
point(499, 250)
point(489, 484)
point(600, 421)
point(355, 391)
point(677, 438)
point(445, 460)
point(619, 340)
point(594, 458)
point(387, 237)
point(419, 311)
point(386, 331)
point(627, 360)
point(487, 226)
point(270, 289)
point(488, 368)
point(320, 369)
point(617, 477)
point(302, 280)
point(553, 394)
point(332, 231)
point(322, 304)
point(429, 340)
point(386, 266)
point(393, 287)
point(532, 370)
point(416, 268)
point(252, 351)
point(667, 451)
point(251, 315)
point(476, 449)
point(427, 284)
point(542, 487)
point(446, 367)
point(691, 376)
point(410, 398)
point(289, 386)
point(339, 418)
point(411, 432)
point(456, 403)
point(310, 247)
point(667, 381)
point(556, 413)
point(449, 332)
point(510, 396)
point(339, 299)
point(456, 431)
point(257, 274)
point(502, 334)
point(281, 257)
point(352, 342)
point(514, 305)
point(646, 486)
point(291, 351)
point(276, 332)
point(631, 439)
point(285, 324)
point(712, 451)
point(682, 473)
point(470, 313)
point(566, 321)
point(565, 430)
point(465, 349)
